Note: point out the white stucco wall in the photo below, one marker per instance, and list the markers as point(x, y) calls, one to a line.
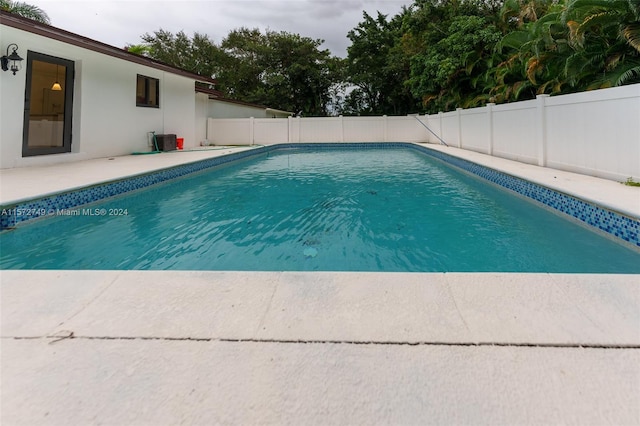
point(222, 109)
point(200, 125)
point(106, 121)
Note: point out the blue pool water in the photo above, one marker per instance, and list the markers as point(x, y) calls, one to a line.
point(337, 210)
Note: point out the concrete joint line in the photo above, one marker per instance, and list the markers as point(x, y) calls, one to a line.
point(71, 336)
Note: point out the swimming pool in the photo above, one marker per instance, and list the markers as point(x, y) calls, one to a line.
point(328, 208)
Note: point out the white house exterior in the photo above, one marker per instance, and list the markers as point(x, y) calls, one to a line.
point(225, 108)
point(107, 103)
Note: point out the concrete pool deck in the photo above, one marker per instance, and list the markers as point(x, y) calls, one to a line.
point(174, 347)
point(25, 183)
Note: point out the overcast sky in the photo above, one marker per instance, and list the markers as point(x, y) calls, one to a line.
point(122, 22)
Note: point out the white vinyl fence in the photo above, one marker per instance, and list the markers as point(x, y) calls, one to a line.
point(595, 133)
point(265, 131)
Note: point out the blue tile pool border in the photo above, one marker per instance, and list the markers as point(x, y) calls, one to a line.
point(36, 208)
point(610, 222)
point(613, 223)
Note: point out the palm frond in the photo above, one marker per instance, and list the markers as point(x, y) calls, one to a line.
point(612, 61)
point(634, 8)
point(514, 40)
point(555, 84)
point(575, 38)
point(25, 10)
point(600, 19)
point(519, 87)
point(627, 74)
point(619, 5)
point(533, 66)
point(631, 33)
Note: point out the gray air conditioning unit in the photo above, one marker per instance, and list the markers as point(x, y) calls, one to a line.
point(166, 142)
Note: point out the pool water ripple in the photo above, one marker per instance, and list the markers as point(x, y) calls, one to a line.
point(343, 210)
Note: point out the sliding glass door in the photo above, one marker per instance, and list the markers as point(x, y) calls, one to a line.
point(48, 105)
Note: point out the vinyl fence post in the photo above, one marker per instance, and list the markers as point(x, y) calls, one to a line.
point(541, 129)
point(490, 130)
point(459, 116)
point(341, 128)
point(385, 129)
point(251, 131)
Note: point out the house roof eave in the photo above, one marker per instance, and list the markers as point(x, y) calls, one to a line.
point(277, 111)
point(249, 104)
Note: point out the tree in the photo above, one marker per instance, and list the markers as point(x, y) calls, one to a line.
point(26, 10)
point(138, 49)
point(536, 51)
point(565, 47)
point(377, 68)
point(279, 69)
point(451, 48)
point(297, 73)
point(434, 55)
point(605, 36)
point(198, 54)
point(245, 66)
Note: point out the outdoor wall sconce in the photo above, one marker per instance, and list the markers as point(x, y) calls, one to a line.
point(14, 58)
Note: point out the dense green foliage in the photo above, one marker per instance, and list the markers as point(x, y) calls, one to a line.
point(435, 55)
point(568, 46)
point(376, 68)
point(465, 53)
point(279, 69)
point(26, 10)
point(452, 44)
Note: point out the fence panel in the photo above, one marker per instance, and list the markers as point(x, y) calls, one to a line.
point(450, 128)
point(595, 132)
point(406, 129)
point(363, 129)
point(474, 130)
point(229, 131)
point(514, 131)
point(270, 130)
point(433, 122)
point(321, 129)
